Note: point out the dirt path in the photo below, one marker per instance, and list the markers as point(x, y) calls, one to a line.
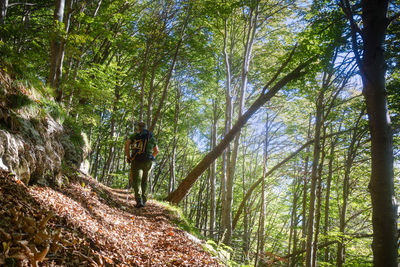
point(89, 224)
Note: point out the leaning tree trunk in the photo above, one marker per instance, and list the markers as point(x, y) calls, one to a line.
point(187, 183)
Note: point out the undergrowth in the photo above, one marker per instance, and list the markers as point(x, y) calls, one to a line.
point(217, 249)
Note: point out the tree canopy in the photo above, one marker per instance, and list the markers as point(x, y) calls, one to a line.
point(272, 116)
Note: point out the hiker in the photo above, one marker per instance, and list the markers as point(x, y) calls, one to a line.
point(140, 150)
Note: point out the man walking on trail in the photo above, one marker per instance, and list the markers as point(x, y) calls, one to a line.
point(140, 150)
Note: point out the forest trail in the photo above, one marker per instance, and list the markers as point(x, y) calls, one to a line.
point(86, 223)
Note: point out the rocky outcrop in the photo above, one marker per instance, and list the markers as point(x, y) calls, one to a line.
point(33, 145)
point(33, 155)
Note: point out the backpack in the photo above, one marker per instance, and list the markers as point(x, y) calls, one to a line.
point(141, 150)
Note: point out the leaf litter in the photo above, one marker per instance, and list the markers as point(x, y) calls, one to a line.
point(88, 224)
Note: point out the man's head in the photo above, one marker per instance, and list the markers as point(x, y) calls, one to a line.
point(140, 126)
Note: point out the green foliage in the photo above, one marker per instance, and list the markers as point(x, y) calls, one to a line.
point(222, 252)
point(116, 65)
point(74, 131)
point(120, 179)
point(53, 109)
point(180, 219)
point(17, 101)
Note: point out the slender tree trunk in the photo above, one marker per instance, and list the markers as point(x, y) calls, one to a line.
point(61, 52)
point(305, 190)
point(169, 75)
point(213, 173)
point(319, 196)
point(172, 179)
point(294, 221)
point(3, 11)
point(328, 194)
point(250, 34)
point(151, 92)
point(246, 233)
point(349, 159)
point(226, 179)
point(199, 204)
point(111, 154)
point(55, 41)
point(261, 230)
point(314, 179)
point(143, 82)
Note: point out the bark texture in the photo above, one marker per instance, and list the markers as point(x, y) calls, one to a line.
point(373, 68)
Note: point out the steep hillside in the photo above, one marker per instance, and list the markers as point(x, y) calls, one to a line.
point(53, 214)
point(84, 223)
point(36, 137)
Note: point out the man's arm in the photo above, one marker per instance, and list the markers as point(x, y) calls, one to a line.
point(155, 151)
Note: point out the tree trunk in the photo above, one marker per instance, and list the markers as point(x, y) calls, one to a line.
point(169, 75)
point(372, 68)
point(3, 11)
point(261, 226)
point(248, 45)
point(384, 215)
point(305, 191)
point(246, 232)
point(213, 173)
point(143, 82)
point(319, 196)
point(172, 177)
point(226, 180)
point(184, 187)
point(328, 194)
point(61, 52)
point(294, 221)
point(55, 41)
point(349, 159)
point(151, 91)
point(111, 154)
point(314, 179)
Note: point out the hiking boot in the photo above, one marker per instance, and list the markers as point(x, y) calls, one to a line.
point(139, 204)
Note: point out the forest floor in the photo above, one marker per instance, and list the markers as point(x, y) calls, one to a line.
point(86, 223)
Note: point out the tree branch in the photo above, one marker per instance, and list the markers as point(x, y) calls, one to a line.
point(25, 4)
point(184, 187)
point(277, 166)
point(393, 18)
point(346, 7)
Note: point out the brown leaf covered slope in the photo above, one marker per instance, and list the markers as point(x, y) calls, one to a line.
point(88, 224)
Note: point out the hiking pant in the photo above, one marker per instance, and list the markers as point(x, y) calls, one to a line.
point(140, 171)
